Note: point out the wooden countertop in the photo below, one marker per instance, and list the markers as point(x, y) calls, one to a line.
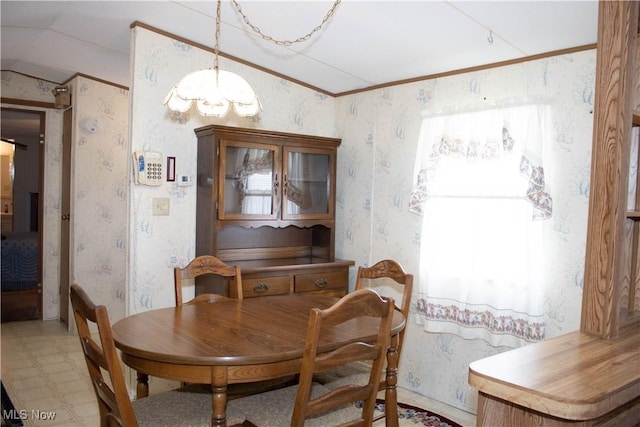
point(574, 376)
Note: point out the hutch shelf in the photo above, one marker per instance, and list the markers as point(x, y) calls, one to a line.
point(266, 202)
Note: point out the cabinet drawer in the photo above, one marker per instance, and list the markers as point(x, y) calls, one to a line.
point(263, 286)
point(329, 280)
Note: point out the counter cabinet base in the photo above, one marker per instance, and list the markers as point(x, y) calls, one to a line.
point(495, 412)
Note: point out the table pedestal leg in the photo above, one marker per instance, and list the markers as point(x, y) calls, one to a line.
point(219, 396)
point(390, 393)
point(142, 389)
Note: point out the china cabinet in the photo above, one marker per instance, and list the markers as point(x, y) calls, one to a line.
point(266, 202)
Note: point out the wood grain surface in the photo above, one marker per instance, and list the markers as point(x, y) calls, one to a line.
point(573, 377)
point(236, 341)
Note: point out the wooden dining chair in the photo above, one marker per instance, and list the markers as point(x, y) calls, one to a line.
point(387, 277)
point(211, 265)
point(311, 404)
point(185, 406)
point(208, 264)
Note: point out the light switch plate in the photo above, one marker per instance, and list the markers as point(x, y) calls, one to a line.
point(160, 206)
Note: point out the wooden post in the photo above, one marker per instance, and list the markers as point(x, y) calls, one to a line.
point(604, 275)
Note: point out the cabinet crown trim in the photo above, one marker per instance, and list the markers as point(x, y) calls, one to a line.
point(267, 136)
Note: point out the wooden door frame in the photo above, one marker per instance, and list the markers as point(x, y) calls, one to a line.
point(41, 162)
point(65, 212)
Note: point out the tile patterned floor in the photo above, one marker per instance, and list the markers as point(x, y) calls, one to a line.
point(43, 370)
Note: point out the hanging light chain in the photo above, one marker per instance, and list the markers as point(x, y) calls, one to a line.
point(328, 16)
point(216, 48)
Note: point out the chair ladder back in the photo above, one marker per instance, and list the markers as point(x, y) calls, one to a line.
point(357, 304)
point(391, 269)
point(114, 404)
point(208, 264)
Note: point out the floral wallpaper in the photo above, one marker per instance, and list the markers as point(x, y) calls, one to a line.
point(100, 190)
point(380, 130)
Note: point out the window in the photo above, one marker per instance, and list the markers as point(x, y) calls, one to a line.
point(480, 188)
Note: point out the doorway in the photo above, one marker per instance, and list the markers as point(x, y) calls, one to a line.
point(22, 162)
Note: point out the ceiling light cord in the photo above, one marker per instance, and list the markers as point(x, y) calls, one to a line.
point(216, 48)
point(304, 38)
point(215, 92)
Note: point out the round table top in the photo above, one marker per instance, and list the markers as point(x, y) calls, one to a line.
point(236, 332)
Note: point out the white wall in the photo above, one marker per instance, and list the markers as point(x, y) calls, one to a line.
point(375, 172)
point(100, 192)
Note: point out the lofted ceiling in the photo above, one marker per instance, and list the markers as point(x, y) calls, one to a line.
point(364, 44)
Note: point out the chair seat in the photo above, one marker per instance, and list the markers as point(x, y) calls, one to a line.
point(180, 407)
point(274, 409)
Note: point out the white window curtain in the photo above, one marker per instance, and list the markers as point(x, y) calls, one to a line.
point(257, 193)
point(253, 178)
point(479, 185)
point(295, 169)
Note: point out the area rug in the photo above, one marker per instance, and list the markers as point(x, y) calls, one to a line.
point(10, 417)
point(409, 415)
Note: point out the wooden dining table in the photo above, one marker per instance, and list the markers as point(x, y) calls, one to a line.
point(238, 341)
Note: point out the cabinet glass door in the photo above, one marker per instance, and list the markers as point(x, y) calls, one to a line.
point(307, 184)
point(247, 177)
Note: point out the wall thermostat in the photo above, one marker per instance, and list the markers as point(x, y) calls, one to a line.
point(184, 179)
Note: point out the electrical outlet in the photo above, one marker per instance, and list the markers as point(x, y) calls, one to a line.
point(160, 206)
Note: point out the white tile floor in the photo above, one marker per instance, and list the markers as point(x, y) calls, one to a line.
point(43, 369)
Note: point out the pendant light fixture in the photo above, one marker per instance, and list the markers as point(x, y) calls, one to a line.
point(214, 91)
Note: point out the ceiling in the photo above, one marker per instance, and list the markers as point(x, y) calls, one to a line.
point(364, 44)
